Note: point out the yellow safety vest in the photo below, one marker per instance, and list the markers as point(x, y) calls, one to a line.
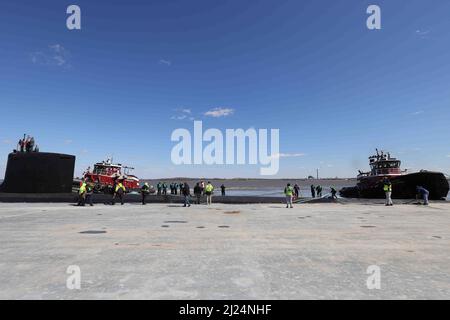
point(288, 191)
point(387, 188)
point(120, 186)
point(82, 188)
point(209, 188)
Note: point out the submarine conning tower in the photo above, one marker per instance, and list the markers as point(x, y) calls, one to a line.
point(38, 172)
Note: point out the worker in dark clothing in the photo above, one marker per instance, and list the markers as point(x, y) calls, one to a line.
point(186, 194)
point(181, 187)
point(164, 187)
point(159, 186)
point(296, 191)
point(319, 191)
point(31, 144)
point(423, 193)
point(89, 193)
point(27, 144)
point(20, 145)
point(222, 188)
point(313, 191)
point(197, 193)
point(175, 188)
point(333, 193)
point(145, 191)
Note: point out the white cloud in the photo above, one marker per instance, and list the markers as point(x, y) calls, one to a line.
point(288, 155)
point(422, 34)
point(6, 141)
point(182, 114)
point(416, 113)
point(179, 117)
point(448, 156)
point(57, 48)
point(68, 141)
point(219, 112)
point(166, 62)
point(54, 55)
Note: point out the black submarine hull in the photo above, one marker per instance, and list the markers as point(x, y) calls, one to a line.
point(403, 186)
point(38, 172)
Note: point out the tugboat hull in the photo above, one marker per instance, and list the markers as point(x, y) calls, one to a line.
point(403, 186)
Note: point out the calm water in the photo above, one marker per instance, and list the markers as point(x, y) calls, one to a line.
point(304, 192)
point(270, 192)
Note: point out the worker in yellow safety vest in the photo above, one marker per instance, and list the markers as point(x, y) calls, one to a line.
point(119, 192)
point(145, 190)
point(82, 194)
point(387, 188)
point(289, 193)
point(209, 190)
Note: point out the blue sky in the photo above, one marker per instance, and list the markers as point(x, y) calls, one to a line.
point(124, 82)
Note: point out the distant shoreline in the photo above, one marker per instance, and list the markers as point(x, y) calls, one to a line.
point(258, 184)
point(244, 179)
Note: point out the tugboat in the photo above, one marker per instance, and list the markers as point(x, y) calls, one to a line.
point(105, 175)
point(370, 184)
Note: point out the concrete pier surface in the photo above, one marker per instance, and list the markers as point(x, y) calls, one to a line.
point(224, 251)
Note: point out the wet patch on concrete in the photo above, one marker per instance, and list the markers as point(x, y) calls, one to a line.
point(368, 226)
point(232, 212)
point(164, 226)
point(437, 237)
point(223, 226)
point(92, 232)
point(301, 217)
point(201, 227)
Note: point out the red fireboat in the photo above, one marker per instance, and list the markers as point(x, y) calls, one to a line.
point(106, 174)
